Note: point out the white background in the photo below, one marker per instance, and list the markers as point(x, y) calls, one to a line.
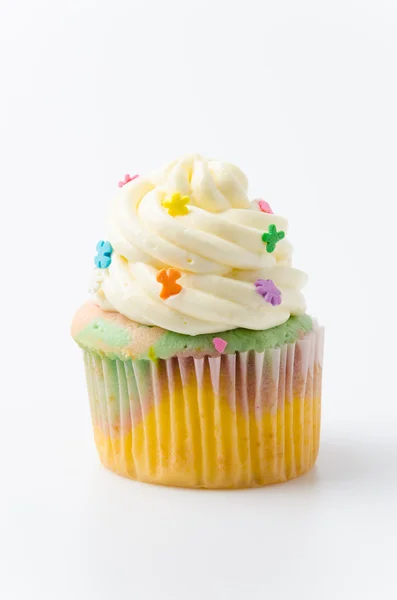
point(303, 97)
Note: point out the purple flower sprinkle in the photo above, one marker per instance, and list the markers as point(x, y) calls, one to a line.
point(269, 292)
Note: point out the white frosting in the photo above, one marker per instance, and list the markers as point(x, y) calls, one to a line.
point(217, 247)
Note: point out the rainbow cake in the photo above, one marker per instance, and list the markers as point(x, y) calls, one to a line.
point(203, 368)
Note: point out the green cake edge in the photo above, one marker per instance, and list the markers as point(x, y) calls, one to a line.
point(108, 340)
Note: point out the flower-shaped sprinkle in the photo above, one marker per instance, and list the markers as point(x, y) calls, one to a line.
point(176, 205)
point(103, 259)
point(269, 292)
point(168, 277)
point(272, 237)
point(219, 344)
point(127, 179)
point(265, 207)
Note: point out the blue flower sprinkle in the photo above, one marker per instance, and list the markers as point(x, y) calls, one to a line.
point(103, 258)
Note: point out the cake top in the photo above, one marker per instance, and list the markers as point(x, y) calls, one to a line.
point(189, 252)
point(111, 335)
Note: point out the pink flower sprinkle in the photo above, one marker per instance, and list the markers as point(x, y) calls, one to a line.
point(127, 179)
point(219, 344)
point(265, 207)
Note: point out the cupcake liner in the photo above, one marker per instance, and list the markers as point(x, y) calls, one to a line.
point(232, 421)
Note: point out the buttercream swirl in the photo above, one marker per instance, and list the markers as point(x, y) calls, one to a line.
point(217, 247)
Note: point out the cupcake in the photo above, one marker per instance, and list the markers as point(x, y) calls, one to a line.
point(203, 368)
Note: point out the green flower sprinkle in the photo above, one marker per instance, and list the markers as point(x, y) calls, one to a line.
point(272, 237)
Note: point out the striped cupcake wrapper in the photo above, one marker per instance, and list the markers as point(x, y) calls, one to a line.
point(241, 420)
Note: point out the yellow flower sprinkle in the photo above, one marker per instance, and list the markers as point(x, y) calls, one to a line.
point(176, 205)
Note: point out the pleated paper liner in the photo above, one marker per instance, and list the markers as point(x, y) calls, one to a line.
point(234, 421)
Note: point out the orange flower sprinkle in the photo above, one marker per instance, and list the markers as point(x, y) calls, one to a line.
point(168, 277)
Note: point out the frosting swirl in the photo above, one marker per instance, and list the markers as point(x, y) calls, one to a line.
point(217, 247)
